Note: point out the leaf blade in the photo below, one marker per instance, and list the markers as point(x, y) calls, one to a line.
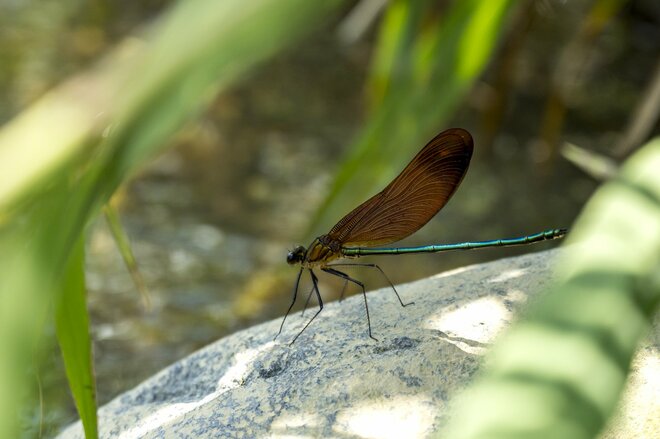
point(72, 328)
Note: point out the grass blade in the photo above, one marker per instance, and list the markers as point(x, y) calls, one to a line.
point(124, 246)
point(72, 326)
point(421, 72)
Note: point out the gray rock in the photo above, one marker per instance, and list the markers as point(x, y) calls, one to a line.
point(337, 382)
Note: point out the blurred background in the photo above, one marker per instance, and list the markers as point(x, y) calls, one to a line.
point(283, 154)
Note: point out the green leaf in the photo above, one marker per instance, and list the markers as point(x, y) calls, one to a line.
point(479, 38)
point(422, 69)
point(124, 246)
point(64, 156)
point(560, 371)
point(72, 326)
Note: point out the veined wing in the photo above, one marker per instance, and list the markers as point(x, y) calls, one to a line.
point(413, 197)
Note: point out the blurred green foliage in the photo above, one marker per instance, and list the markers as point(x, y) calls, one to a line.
point(62, 158)
point(124, 246)
point(560, 371)
point(425, 62)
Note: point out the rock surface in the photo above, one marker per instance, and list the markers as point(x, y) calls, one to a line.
point(337, 382)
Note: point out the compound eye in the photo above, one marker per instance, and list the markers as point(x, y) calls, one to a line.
point(296, 255)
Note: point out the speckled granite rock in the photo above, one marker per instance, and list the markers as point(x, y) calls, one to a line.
point(336, 382)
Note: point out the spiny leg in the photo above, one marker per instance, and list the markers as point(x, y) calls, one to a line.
point(345, 276)
point(315, 281)
point(356, 264)
point(293, 301)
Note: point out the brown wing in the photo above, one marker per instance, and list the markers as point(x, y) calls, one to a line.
point(412, 198)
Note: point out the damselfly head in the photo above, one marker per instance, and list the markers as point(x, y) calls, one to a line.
point(296, 256)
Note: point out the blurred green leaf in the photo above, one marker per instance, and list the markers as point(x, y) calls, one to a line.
point(595, 165)
point(124, 246)
point(72, 325)
point(479, 38)
point(424, 66)
point(560, 371)
point(62, 158)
